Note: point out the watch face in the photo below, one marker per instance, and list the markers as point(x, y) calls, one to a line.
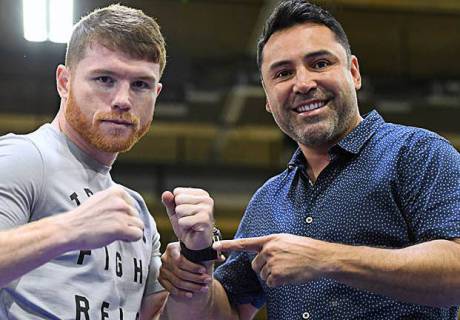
point(216, 235)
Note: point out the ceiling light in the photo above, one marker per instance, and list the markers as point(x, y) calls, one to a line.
point(60, 20)
point(48, 20)
point(34, 18)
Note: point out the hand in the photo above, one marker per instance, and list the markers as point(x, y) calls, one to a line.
point(191, 214)
point(283, 258)
point(105, 217)
point(181, 277)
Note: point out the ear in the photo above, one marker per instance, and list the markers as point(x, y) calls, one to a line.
point(354, 70)
point(63, 81)
point(267, 104)
point(159, 87)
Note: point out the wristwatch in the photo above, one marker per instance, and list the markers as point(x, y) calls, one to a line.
point(205, 254)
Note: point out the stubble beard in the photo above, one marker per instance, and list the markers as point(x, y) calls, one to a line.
point(114, 142)
point(319, 131)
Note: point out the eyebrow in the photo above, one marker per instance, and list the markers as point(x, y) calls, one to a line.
point(112, 73)
point(308, 56)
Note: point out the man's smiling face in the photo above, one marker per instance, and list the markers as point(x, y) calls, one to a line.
point(310, 84)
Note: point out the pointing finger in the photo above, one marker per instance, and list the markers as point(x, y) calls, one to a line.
point(244, 244)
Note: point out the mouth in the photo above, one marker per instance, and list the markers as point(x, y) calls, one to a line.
point(118, 122)
point(310, 106)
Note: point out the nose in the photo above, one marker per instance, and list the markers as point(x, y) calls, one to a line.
point(304, 81)
point(122, 97)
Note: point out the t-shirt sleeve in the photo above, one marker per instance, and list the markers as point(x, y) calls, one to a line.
point(21, 170)
point(236, 275)
point(430, 184)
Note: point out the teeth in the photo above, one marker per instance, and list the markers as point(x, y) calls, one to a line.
point(311, 106)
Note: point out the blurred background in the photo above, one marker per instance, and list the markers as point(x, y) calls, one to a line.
point(211, 129)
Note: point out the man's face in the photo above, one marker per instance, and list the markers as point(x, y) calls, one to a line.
point(112, 98)
point(310, 85)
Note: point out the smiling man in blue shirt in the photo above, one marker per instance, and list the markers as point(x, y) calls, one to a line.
point(364, 222)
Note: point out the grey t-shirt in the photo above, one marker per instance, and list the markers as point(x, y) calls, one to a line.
point(43, 174)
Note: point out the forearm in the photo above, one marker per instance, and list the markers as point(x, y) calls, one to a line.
point(107, 216)
point(152, 306)
point(425, 274)
point(212, 304)
point(27, 247)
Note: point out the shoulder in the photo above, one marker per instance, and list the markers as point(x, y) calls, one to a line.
point(408, 136)
point(406, 143)
point(424, 144)
point(36, 142)
point(418, 152)
point(19, 151)
point(22, 172)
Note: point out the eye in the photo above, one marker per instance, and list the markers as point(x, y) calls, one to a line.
point(283, 74)
point(321, 64)
point(105, 80)
point(141, 85)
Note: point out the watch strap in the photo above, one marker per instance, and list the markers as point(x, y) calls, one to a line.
point(205, 254)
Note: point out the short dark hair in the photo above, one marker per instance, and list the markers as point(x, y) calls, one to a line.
point(292, 12)
point(118, 27)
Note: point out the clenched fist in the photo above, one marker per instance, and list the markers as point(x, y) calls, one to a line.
point(105, 217)
point(190, 211)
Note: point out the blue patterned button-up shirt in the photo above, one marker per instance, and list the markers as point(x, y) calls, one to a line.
point(386, 186)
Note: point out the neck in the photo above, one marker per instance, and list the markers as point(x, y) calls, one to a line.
point(106, 158)
point(317, 159)
point(318, 156)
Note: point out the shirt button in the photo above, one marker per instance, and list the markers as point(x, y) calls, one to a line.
point(309, 220)
point(305, 315)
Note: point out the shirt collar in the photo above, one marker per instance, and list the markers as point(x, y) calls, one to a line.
point(352, 143)
point(357, 138)
point(298, 159)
